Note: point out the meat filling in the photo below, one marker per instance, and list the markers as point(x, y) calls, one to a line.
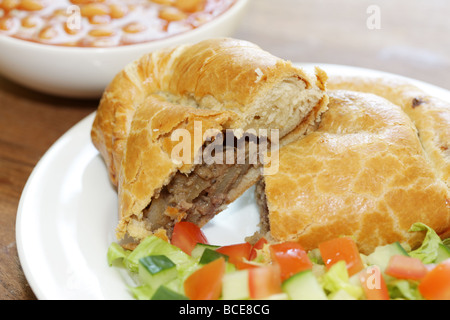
point(261, 201)
point(196, 197)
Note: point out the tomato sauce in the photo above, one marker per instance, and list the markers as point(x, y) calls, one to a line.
point(104, 23)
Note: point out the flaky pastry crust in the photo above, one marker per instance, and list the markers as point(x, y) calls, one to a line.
point(430, 115)
point(362, 173)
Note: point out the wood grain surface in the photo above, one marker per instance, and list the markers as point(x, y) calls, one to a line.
point(407, 37)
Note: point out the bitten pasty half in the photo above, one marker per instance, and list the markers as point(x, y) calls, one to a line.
point(362, 173)
point(208, 88)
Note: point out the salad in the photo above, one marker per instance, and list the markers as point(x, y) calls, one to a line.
point(190, 268)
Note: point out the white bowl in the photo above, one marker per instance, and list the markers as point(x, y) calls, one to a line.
point(85, 72)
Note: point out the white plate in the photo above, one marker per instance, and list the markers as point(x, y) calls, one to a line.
point(68, 212)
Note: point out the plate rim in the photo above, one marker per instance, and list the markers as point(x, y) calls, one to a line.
point(26, 267)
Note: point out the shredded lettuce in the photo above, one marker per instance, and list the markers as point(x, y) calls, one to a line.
point(428, 251)
point(144, 292)
point(115, 253)
point(446, 243)
point(404, 290)
point(337, 279)
point(315, 256)
point(152, 245)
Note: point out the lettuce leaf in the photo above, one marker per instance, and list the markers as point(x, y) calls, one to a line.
point(153, 245)
point(337, 279)
point(404, 290)
point(115, 253)
point(428, 251)
point(446, 242)
point(144, 292)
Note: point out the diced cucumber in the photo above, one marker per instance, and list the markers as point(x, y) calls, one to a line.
point(443, 253)
point(144, 292)
point(199, 248)
point(235, 286)
point(211, 255)
point(156, 270)
point(304, 286)
point(175, 284)
point(381, 256)
point(164, 293)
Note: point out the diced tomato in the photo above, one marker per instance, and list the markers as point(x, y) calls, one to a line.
point(206, 283)
point(373, 284)
point(291, 257)
point(237, 253)
point(186, 235)
point(436, 284)
point(404, 267)
point(257, 246)
point(339, 249)
point(264, 281)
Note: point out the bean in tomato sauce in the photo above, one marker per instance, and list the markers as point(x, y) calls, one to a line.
point(104, 23)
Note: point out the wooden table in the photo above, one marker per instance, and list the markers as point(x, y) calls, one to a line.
point(407, 37)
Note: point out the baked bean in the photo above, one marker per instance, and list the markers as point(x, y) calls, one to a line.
point(71, 29)
point(8, 5)
point(30, 21)
point(103, 42)
point(31, 5)
point(101, 33)
point(134, 27)
point(48, 33)
point(94, 9)
point(61, 12)
point(172, 14)
point(190, 5)
point(118, 11)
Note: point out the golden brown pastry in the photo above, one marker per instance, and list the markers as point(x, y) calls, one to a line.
point(362, 173)
point(430, 115)
point(220, 84)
